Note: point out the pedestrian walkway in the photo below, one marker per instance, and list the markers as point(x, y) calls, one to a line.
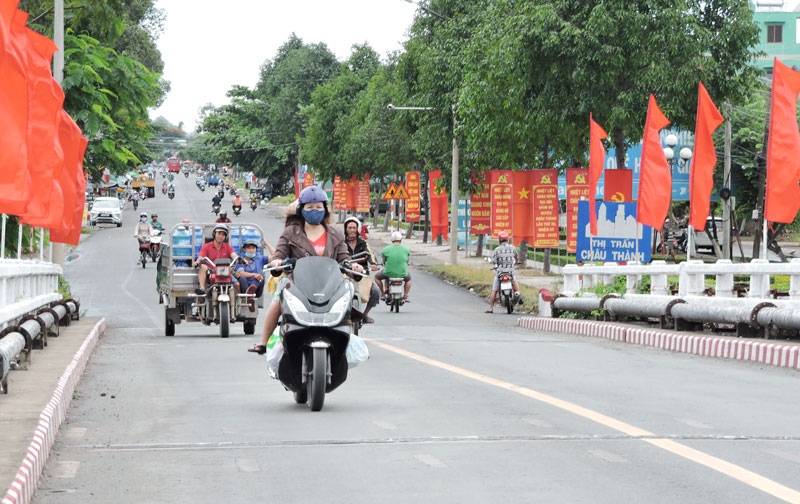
point(36, 404)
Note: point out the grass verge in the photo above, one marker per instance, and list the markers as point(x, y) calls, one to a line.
point(480, 280)
point(63, 287)
point(282, 200)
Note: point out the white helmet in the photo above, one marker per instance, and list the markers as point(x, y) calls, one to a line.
point(397, 236)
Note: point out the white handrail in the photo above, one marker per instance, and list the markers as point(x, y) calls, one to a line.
point(26, 285)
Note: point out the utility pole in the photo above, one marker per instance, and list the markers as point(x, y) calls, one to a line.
point(454, 196)
point(726, 183)
point(761, 163)
point(58, 74)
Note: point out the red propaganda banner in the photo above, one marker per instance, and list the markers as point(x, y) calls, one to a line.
point(522, 203)
point(438, 198)
point(362, 194)
point(618, 186)
point(500, 185)
point(339, 194)
point(481, 210)
point(577, 190)
point(308, 180)
point(545, 208)
point(351, 193)
point(412, 203)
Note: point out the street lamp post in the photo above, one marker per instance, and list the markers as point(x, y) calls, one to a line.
point(454, 193)
point(685, 155)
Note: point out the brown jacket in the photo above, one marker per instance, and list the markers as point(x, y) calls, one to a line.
point(294, 244)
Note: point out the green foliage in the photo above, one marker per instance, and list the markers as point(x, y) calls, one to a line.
point(64, 288)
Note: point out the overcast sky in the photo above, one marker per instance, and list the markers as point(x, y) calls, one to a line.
point(208, 45)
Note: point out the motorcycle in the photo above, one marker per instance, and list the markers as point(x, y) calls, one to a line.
point(237, 210)
point(396, 297)
point(163, 189)
point(215, 208)
point(233, 191)
point(506, 280)
point(135, 204)
point(221, 194)
point(253, 205)
point(155, 244)
point(215, 306)
point(171, 194)
point(144, 250)
point(314, 328)
point(202, 187)
point(186, 174)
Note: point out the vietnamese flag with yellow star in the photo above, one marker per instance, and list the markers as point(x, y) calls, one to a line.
point(522, 206)
point(545, 208)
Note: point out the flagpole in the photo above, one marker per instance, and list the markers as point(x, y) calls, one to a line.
point(764, 242)
point(3, 238)
point(689, 242)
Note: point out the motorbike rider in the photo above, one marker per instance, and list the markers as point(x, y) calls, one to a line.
point(171, 189)
point(307, 233)
point(356, 245)
point(223, 217)
point(218, 248)
point(237, 203)
point(143, 229)
point(505, 257)
point(155, 223)
point(395, 260)
point(135, 199)
point(249, 274)
point(216, 200)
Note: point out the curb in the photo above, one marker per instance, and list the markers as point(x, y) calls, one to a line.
point(773, 354)
point(53, 415)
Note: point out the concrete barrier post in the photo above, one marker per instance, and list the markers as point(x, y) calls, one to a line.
point(659, 282)
point(724, 284)
point(794, 280)
point(759, 282)
point(692, 278)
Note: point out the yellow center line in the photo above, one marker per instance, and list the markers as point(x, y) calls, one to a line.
point(732, 470)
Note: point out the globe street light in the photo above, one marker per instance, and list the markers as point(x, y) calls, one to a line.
point(685, 155)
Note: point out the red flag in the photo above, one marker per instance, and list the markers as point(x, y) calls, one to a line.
point(72, 234)
point(352, 193)
point(655, 179)
point(522, 206)
point(14, 178)
point(44, 108)
point(438, 204)
point(597, 159)
point(70, 138)
point(701, 176)
point(783, 147)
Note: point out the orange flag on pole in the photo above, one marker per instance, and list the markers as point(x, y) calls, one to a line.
point(14, 179)
point(701, 176)
point(655, 179)
point(70, 140)
point(46, 99)
point(522, 206)
point(597, 159)
point(72, 233)
point(783, 147)
point(438, 205)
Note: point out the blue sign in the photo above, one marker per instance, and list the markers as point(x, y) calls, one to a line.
point(633, 161)
point(463, 221)
point(617, 234)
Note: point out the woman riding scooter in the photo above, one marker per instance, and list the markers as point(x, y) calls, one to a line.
point(307, 233)
point(357, 245)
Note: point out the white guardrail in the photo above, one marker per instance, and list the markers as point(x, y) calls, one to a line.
point(25, 286)
point(691, 274)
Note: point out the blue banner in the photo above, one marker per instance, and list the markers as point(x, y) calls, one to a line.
point(617, 231)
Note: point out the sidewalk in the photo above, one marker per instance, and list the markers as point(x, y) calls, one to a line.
point(36, 405)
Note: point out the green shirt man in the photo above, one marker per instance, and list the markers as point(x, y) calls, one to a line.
point(395, 257)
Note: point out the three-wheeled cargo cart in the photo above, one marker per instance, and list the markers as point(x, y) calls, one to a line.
point(176, 280)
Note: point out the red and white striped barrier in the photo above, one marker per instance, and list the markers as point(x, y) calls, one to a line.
point(709, 346)
point(50, 420)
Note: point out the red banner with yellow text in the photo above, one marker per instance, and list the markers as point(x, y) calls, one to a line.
point(362, 194)
point(308, 179)
point(577, 190)
point(545, 208)
point(500, 185)
point(339, 194)
point(412, 203)
point(522, 204)
point(481, 209)
point(438, 206)
point(351, 193)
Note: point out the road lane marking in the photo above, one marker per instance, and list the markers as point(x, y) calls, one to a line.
point(430, 461)
point(247, 465)
point(75, 433)
point(608, 456)
point(739, 473)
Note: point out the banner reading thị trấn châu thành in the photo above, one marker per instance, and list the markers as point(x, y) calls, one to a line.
point(577, 190)
point(545, 209)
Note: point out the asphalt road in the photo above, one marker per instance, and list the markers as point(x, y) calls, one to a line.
point(453, 406)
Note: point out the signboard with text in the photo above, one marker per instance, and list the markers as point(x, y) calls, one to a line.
point(481, 210)
point(339, 194)
point(545, 209)
point(577, 190)
point(619, 237)
point(412, 203)
point(500, 191)
point(362, 195)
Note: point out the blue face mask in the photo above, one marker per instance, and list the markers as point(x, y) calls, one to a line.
point(143, 219)
point(249, 255)
point(313, 217)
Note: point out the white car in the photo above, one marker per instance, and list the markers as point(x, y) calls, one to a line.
point(106, 210)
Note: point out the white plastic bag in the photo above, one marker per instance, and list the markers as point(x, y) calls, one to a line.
point(357, 351)
point(274, 354)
